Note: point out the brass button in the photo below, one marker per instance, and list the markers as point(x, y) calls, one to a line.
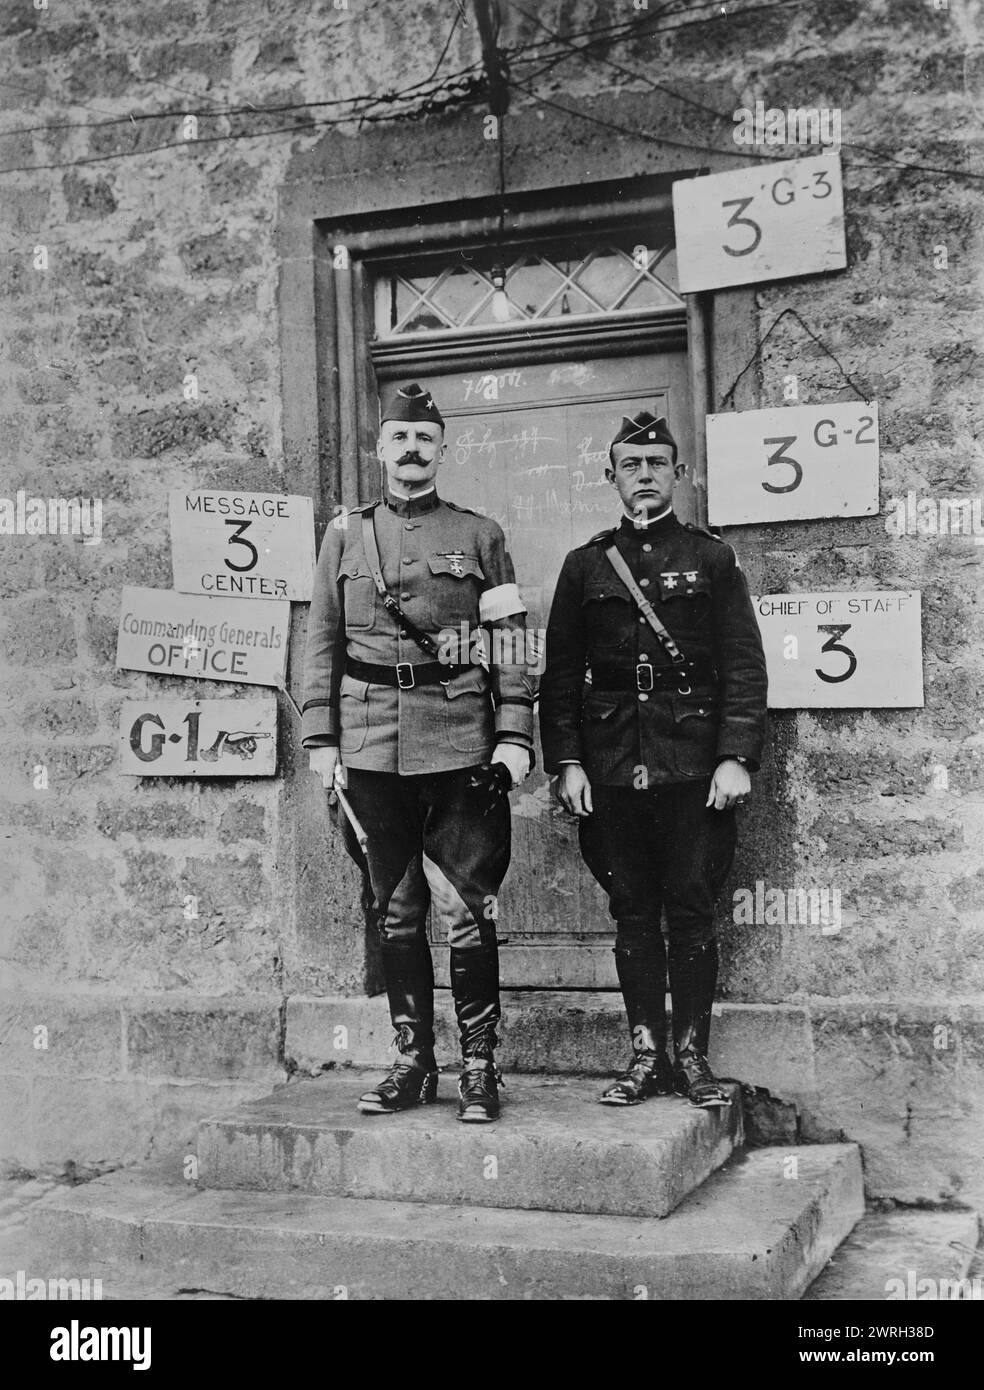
point(643, 583)
point(409, 526)
point(407, 560)
point(647, 547)
point(643, 656)
point(643, 696)
point(404, 596)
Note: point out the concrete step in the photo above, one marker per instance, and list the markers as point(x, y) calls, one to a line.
point(555, 1148)
point(582, 1032)
point(752, 1231)
point(904, 1255)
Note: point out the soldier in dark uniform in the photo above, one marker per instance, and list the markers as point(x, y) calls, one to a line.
point(431, 738)
point(654, 748)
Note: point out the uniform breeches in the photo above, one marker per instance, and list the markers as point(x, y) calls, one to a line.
point(430, 846)
point(659, 848)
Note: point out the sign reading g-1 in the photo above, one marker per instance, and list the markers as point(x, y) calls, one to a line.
point(766, 222)
point(242, 544)
point(198, 738)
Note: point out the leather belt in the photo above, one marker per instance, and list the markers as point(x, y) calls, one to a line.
point(644, 676)
point(406, 675)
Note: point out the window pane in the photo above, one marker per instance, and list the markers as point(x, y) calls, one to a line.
point(648, 295)
point(529, 285)
point(570, 302)
point(606, 277)
point(547, 285)
point(423, 320)
point(405, 301)
point(665, 269)
point(459, 292)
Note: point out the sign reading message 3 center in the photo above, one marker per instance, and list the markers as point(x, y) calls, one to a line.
point(212, 638)
point(789, 464)
point(843, 650)
point(766, 222)
point(242, 544)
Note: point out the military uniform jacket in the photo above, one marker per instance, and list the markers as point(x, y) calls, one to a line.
point(700, 595)
point(446, 567)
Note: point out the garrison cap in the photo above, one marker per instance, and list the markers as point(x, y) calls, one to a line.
point(412, 402)
point(645, 429)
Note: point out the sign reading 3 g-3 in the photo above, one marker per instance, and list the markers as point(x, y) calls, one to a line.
point(792, 463)
point(242, 544)
point(766, 222)
point(843, 650)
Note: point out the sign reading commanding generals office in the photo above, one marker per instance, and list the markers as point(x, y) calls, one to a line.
point(242, 544)
point(210, 638)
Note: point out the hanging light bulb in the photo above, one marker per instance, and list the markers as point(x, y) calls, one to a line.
point(501, 309)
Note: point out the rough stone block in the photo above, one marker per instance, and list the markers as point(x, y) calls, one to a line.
point(916, 1106)
point(60, 1035)
point(557, 1149)
point(746, 1234)
point(151, 821)
point(209, 1039)
point(38, 631)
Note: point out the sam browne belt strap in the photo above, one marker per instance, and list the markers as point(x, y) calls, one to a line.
point(423, 639)
point(645, 607)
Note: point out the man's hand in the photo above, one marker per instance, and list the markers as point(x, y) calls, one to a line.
point(516, 759)
point(729, 786)
point(574, 789)
point(325, 762)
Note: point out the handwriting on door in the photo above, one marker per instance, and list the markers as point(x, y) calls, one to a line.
point(489, 386)
point(481, 442)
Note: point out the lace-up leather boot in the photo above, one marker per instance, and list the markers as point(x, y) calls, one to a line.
point(412, 1079)
point(641, 970)
point(475, 984)
point(693, 975)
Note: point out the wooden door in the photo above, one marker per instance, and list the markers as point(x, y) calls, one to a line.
point(529, 447)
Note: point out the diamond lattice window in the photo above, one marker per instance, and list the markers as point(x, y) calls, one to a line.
point(536, 287)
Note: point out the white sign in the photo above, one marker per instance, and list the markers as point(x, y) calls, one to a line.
point(792, 463)
point(242, 544)
point(215, 639)
point(198, 738)
point(766, 222)
point(843, 650)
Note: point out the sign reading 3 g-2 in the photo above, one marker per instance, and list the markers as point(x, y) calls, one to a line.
point(766, 222)
point(793, 463)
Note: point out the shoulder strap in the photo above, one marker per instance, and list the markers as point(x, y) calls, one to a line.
point(423, 639)
point(645, 607)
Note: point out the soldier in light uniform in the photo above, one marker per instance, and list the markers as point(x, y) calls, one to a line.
point(654, 748)
point(431, 739)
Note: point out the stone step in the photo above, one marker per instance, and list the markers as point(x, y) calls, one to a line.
point(561, 1031)
point(555, 1148)
point(752, 1231)
point(905, 1255)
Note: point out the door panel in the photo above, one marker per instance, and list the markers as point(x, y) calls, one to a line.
point(529, 447)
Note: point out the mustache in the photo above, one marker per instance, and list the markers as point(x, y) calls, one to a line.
point(409, 458)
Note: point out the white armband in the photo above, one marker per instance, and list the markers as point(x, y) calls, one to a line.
point(502, 601)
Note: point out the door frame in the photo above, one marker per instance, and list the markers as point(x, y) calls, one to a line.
point(364, 194)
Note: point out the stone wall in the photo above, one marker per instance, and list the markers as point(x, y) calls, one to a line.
point(164, 262)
